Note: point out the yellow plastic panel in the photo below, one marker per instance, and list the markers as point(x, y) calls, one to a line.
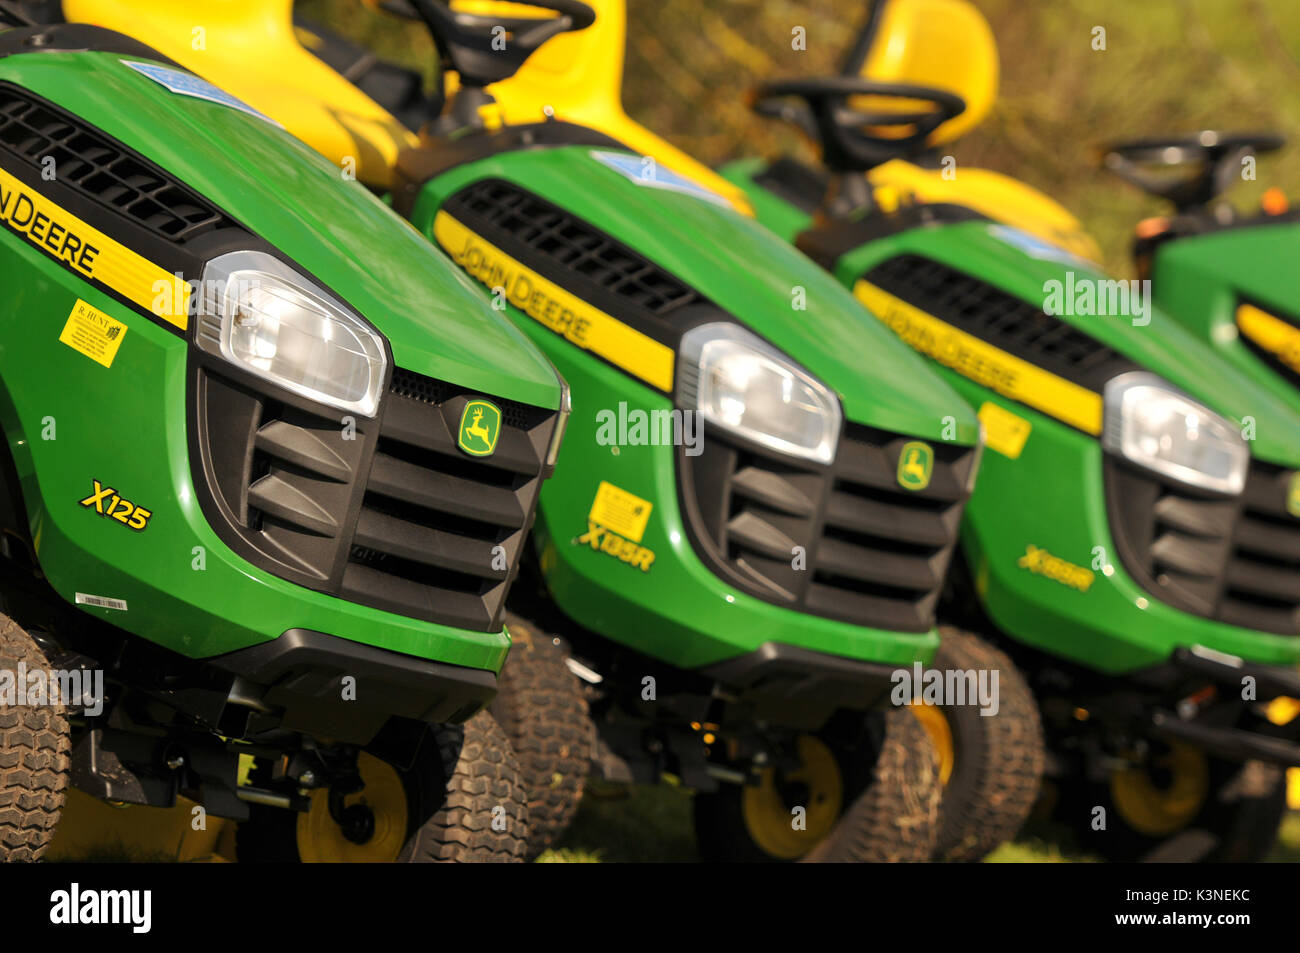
point(91, 828)
point(250, 49)
point(943, 44)
point(1000, 197)
point(580, 76)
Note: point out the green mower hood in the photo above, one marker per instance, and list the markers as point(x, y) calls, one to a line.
point(1161, 345)
point(435, 319)
point(747, 272)
point(1236, 289)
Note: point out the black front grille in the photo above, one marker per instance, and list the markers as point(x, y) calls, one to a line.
point(1236, 560)
point(1262, 588)
point(101, 169)
point(1001, 319)
point(387, 513)
point(567, 249)
point(873, 553)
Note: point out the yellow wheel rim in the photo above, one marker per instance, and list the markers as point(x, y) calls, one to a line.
point(321, 840)
point(815, 785)
point(936, 726)
point(1165, 795)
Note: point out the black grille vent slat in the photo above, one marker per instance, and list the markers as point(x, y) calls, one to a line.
point(1234, 560)
point(773, 490)
point(1263, 574)
point(531, 227)
point(102, 171)
point(891, 520)
point(749, 531)
point(419, 486)
point(873, 553)
point(393, 515)
point(275, 496)
point(302, 447)
point(1001, 319)
point(379, 532)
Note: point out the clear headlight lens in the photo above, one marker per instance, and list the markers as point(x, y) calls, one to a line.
point(263, 316)
point(739, 382)
point(1156, 427)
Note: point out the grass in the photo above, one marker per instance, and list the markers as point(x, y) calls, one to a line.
point(653, 823)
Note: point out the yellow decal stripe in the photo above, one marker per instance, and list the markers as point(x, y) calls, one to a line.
point(1272, 334)
point(563, 312)
point(983, 363)
point(91, 253)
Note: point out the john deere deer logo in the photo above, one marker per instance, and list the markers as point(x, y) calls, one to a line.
point(915, 464)
point(480, 425)
point(1293, 495)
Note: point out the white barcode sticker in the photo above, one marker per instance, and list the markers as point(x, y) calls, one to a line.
point(103, 602)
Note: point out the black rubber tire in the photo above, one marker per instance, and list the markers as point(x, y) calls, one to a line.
point(892, 813)
point(998, 759)
point(455, 780)
point(34, 746)
point(896, 818)
point(1242, 814)
point(541, 706)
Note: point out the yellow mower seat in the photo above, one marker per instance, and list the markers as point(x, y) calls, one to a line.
point(948, 45)
point(941, 44)
point(249, 48)
point(580, 76)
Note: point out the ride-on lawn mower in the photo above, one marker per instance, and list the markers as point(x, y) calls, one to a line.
point(761, 487)
point(1227, 276)
point(1133, 539)
point(268, 465)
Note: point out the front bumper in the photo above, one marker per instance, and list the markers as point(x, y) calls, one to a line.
point(344, 691)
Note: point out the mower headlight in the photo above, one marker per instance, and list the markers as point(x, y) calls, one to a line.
point(742, 384)
point(1154, 426)
point(263, 316)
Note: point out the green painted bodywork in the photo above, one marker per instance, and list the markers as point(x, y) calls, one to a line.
point(126, 425)
point(1201, 280)
point(1052, 497)
point(680, 611)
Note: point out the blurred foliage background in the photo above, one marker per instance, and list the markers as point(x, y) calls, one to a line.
point(1170, 66)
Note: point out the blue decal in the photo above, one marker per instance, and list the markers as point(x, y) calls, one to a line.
point(187, 84)
point(1035, 247)
point(643, 170)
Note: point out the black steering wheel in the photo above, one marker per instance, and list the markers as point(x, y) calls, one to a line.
point(486, 49)
point(1189, 171)
point(854, 140)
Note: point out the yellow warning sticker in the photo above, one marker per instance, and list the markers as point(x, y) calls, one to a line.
point(623, 512)
point(91, 253)
point(93, 333)
point(1004, 431)
point(555, 308)
point(983, 363)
